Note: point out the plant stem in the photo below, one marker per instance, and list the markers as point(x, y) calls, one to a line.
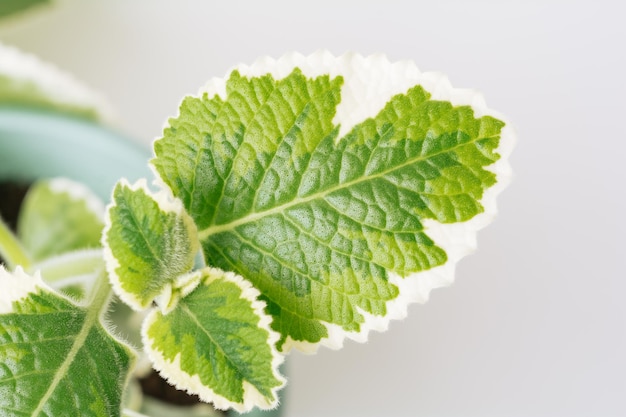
point(11, 249)
point(98, 299)
point(69, 264)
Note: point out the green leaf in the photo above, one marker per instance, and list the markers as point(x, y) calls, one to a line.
point(57, 358)
point(59, 216)
point(28, 82)
point(324, 219)
point(216, 342)
point(29, 94)
point(149, 241)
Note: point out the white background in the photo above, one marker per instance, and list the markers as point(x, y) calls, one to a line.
point(536, 323)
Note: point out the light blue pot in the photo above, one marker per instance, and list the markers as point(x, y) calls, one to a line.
point(38, 144)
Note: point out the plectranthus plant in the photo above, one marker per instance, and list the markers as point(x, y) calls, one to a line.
point(296, 202)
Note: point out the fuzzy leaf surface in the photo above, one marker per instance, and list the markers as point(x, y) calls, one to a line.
point(148, 244)
point(318, 223)
point(217, 343)
point(57, 358)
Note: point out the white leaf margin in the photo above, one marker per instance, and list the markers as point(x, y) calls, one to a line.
point(58, 86)
point(131, 413)
point(17, 286)
point(167, 204)
point(369, 83)
point(77, 191)
point(173, 373)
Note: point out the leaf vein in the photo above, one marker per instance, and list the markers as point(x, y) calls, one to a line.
point(214, 229)
point(260, 107)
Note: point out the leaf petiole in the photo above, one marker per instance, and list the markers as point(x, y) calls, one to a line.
point(98, 298)
point(71, 264)
point(11, 249)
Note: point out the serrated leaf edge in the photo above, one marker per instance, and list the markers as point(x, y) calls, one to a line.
point(166, 203)
point(457, 240)
point(362, 75)
point(172, 372)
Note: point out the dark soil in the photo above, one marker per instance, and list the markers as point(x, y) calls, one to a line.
point(11, 197)
point(154, 386)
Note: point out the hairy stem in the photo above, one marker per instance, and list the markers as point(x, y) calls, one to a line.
point(98, 299)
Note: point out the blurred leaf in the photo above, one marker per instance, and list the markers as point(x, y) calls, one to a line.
point(9, 7)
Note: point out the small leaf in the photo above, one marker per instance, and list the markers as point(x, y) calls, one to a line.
point(217, 343)
point(149, 241)
point(57, 358)
point(329, 221)
point(59, 216)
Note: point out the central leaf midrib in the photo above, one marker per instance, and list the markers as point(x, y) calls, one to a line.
point(227, 357)
point(91, 317)
point(159, 260)
point(251, 120)
point(269, 296)
point(215, 229)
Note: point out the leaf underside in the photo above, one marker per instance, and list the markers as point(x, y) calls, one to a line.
point(316, 222)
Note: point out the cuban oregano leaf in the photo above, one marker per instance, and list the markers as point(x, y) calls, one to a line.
point(149, 241)
point(57, 358)
point(216, 342)
point(59, 216)
point(326, 219)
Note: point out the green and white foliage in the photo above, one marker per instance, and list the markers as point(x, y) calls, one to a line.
point(56, 355)
point(59, 216)
point(333, 191)
point(210, 334)
point(27, 81)
point(148, 243)
point(59, 230)
point(215, 343)
point(342, 188)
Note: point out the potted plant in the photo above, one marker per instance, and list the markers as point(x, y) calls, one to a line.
point(50, 126)
point(294, 203)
